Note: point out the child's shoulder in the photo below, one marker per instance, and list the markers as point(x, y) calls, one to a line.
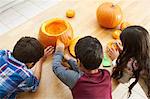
point(105, 71)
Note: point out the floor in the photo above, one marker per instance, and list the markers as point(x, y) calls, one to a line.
point(20, 13)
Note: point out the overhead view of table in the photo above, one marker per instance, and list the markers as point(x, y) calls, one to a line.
point(136, 12)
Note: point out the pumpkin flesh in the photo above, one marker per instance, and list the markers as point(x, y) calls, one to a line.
point(55, 28)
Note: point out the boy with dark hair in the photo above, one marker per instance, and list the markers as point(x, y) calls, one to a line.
point(14, 73)
point(85, 80)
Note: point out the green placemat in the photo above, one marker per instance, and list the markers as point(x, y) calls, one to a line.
point(106, 61)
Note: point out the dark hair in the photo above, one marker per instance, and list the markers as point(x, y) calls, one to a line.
point(136, 45)
point(89, 51)
point(27, 50)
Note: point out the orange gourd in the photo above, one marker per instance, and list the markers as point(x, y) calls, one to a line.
point(53, 29)
point(124, 25)
point(72, 46)
point(116, 34)
point(111, 44)
point(70, 13)
point(109, 15)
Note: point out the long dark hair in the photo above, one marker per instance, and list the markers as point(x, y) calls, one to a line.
point(136, 45)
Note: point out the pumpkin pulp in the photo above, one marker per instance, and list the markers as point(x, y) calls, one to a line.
point(56, 28)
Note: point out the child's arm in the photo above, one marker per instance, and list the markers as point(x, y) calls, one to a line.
point(38, 67)
point(72, 62)
point(68, 77)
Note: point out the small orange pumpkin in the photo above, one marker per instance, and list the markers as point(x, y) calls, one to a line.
point(70, 13)
point(116, 34)
point(72, 46)
point(53, 29)
point(124, 25)
point(111, 44)
point(109, 15)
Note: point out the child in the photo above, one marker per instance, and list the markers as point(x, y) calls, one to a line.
point(134, 59)
point(85, 80)
point(15, 75)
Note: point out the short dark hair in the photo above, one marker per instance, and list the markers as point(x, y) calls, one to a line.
point(28, 49)
point(89, 51)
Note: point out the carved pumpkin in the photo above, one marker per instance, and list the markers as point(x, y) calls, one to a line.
point(72, 46)
point(109, 15)
point(116, 34)
point(70, 13)
point(53, 29)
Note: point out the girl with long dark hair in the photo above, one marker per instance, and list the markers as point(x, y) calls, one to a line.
point(133, 59)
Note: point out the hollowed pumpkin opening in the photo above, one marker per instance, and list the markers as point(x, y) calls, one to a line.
point(56, 27)
point(53, 29)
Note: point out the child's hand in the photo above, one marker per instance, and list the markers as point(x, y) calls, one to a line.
point(112, 53)
point(37, 69)
point(47, 52)
point(68, 57)
point(60, 46)
point(119, 45)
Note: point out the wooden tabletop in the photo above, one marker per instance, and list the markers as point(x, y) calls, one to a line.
point(84, 23)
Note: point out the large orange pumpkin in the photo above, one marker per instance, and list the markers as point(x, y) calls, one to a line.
point(109, 15)
point(53, 29)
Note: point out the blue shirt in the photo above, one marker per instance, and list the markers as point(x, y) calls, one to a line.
point(14, 76)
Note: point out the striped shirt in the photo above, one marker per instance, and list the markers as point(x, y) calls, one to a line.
point(14, 76)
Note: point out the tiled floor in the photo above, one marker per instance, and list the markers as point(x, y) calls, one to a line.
point(21, 12)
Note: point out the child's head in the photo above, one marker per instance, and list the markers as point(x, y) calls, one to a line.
point(28, 50)
point(136, 45)
point(135, 41)
point(89, 51)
